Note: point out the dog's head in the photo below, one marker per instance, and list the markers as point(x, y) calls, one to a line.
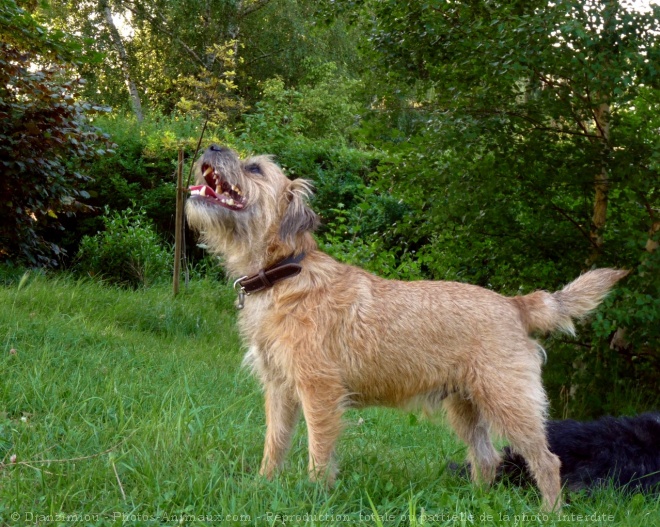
point(243, 206)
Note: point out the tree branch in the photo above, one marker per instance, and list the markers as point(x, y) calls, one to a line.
point(162, 26)
point(264, 56)
point(252, 8)
point(564, 131)
point(539, 126)
point(575, 223)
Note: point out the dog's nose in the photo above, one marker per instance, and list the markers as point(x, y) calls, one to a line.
point(217, 148)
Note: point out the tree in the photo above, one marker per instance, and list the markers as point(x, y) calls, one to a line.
point(44, 138)
point(546, 84)
point(104, 7)
point(112, 75)
point(526, 155)
point(205, 57)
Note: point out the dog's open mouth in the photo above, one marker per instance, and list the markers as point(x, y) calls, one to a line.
point(218, 190)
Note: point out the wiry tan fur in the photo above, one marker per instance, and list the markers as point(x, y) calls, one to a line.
point(336, 336)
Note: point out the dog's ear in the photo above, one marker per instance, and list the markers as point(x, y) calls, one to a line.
point(298, 217)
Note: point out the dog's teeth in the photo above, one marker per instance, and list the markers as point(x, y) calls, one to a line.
point(202, 191)
point(208, 171)
point(230, 202)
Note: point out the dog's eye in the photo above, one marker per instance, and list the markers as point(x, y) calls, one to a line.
point(254, 169)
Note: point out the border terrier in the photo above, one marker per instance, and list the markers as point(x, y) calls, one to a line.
point(323, 336)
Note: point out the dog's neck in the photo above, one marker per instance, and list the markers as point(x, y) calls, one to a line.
point(266, 255)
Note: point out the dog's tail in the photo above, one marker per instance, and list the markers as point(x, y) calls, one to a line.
point(545, 312)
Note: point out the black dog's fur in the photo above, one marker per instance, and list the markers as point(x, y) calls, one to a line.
point(623, 452)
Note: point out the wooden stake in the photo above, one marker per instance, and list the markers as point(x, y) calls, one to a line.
point(178, 225)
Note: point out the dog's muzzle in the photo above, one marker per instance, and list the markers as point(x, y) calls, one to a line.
point(217, 189)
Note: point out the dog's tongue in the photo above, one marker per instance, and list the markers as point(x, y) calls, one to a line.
point(203, 190)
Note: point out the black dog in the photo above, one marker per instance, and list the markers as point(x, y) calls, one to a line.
point(623, 452)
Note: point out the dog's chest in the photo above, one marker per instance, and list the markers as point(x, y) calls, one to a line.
point(260, 357)
point(251, 318)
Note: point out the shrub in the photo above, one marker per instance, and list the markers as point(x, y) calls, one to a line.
point(46, 141)
point(143, 168)
point(323, 106)
point(128, 252)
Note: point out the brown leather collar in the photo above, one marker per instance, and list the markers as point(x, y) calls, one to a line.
point(267, 278)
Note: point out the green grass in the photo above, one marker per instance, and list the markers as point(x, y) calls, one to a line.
point(131, 407)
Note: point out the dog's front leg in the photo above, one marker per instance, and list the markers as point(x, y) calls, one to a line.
point(322, 408)
point(282, 410)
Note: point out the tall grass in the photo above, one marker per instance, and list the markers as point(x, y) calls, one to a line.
point(130, 407)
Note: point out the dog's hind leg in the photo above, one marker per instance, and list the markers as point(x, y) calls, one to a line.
point(543, 464)
point(467, 422)
point(322, 404)
point(282, 411)
point(520, 417)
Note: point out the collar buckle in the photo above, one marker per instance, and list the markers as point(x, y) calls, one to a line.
point(240, 291)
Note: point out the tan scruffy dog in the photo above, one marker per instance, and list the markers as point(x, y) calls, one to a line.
point(324, 336)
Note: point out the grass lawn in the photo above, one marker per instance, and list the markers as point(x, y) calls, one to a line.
point(131, 408)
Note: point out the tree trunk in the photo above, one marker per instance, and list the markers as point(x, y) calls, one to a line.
point(601, 184)
point(123, 59)
point(651, 244)
point(235, 29)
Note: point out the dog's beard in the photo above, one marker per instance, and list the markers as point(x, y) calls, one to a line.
point(238, 237)
point(221, 230)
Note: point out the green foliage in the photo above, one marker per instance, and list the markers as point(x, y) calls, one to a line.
point(20, 30)
point(212, 94)
point(45, 139)
point(143, 167)
point(446, 140)
point(308, 128)
point(346, 237)
point(11, 273)
point(291, 39)
point(505, 136)
point(128, 252)
point(507, 115)
point(177, 49)
point(324, 105)
point(625, 348)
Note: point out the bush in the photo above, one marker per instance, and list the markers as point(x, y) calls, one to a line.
point(140, 174)
point(143, 168)
point(46, 141)
point(326, 105)
point(128, 252)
